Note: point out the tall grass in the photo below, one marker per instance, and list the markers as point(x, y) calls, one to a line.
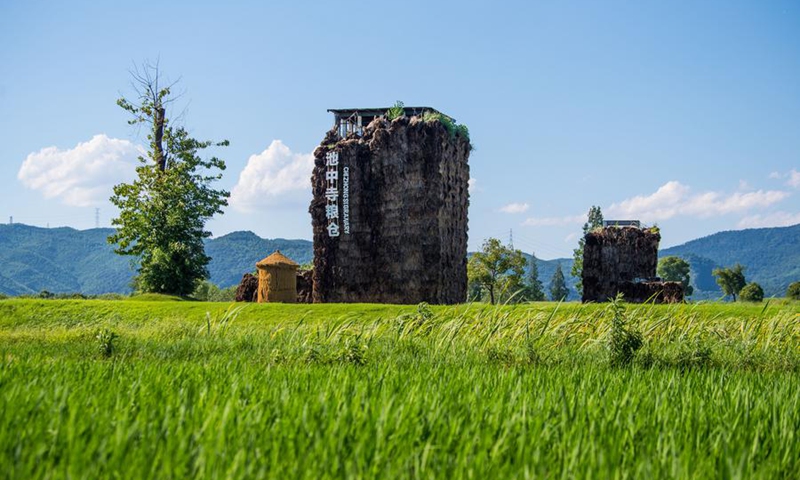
point(368, 391)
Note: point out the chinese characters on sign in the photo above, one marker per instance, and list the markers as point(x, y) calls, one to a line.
point(332, 193)
point(346, 199)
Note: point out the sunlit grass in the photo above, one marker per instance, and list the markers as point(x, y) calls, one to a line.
point(190, 389)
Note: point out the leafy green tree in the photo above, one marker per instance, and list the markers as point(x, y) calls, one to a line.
point(752, 292)
point(730, 280)
point(497, 268)
point(209, 292)
point(594, 220)
point(164, 211)
point(534, 290)
point(474, 291)
point(793, 292)
point(675, 269)
point(558, 286)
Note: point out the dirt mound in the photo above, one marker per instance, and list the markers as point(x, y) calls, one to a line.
point(305, 286)
point(248, 288)
point(658, 292)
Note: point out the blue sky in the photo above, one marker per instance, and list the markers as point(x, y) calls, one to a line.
point(684, 114)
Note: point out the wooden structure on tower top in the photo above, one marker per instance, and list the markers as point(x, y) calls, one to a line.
point(353, 120)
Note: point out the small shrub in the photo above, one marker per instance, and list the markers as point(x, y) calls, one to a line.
point(420, 322)
point(396, 111)
point(499, 354)
point(444, 119)
point(531, 355)
point(354, 352)
point(463, 131)
point(277, 356)
point(105, 342)
point(314, 354)
point(646, 359)
point(752, 292)
point(625, 340)
point(111, 296)
point(696, 356)
point(793, 292)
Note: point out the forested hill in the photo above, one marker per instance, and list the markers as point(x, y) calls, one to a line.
point(65, 260)
point(771, 257)
point(236, 253)
point(59, 260)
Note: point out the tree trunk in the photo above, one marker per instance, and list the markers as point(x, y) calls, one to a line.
point(158, 140)
point(491, 294)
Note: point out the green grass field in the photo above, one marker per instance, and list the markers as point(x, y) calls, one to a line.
point(190, 389)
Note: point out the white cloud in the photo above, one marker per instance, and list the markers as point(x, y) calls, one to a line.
point(472, 183)
point(570, 238)
point(554, 221)
point(674, 199)
point(515, 208)
point(274, 176)
point(792, 177)
point(777, 219)
point(84, 175)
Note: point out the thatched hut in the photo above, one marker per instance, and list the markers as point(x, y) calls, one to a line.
point(277, 279)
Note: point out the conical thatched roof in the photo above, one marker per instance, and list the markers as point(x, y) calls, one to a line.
point(276, 259)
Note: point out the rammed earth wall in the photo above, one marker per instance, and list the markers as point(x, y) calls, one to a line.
point(616, 257)
point(394, 230)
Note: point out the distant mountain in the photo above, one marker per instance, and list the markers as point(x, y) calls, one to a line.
point(236, 253)
point(60, 260)
point(771, 257)
point(64, 260)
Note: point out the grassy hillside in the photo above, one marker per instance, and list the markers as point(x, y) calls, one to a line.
point(60, 260)
point(383, 391)
point(771, 257)
point(236, 253)
point(67, 260)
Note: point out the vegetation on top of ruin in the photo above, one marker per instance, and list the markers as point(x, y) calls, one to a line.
point(453, 128)
point(395, 111)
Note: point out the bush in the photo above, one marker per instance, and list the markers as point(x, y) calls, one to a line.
point(396, 111)
point(111, 296)
point(625, 339)
point(793, 292)
point(105, 342)
point(208, 292)
point(452, 128)
point(752, 292)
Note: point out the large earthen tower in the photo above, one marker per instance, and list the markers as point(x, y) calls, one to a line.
point(389, 208)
